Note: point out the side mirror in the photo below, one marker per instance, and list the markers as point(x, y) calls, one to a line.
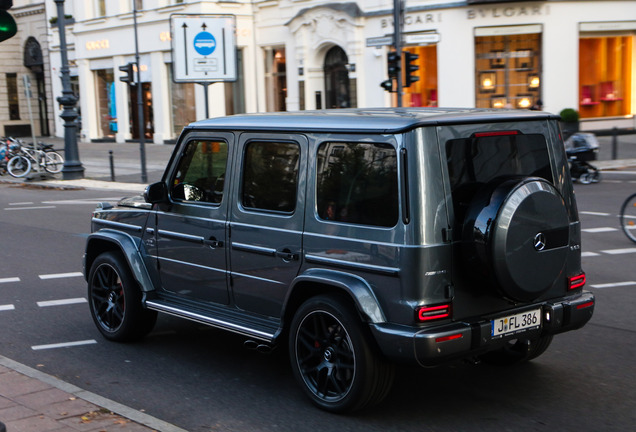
point(156, 193)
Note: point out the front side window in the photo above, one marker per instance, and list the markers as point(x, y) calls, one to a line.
point(270, 176)
point(201, 172)
point(357, 183)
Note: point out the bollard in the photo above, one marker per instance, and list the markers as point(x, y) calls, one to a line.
point(614, 143)
point(112, 165)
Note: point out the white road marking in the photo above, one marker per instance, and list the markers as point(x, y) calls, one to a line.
point(589, 254)
point(63, 345)
point(599, 229)
point(30, 208)
point(619, 251)
point(62, 302)
point(60, 275)
point(594, 213)
point(7, 307)
point(613, 285)
point(11, 279)
point(21, 203)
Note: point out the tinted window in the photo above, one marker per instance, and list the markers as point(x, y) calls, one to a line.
point(270, 176)
point(357, 183)
point(201, 172)
point(475, 161)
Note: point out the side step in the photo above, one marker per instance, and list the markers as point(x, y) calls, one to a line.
point(223, 321)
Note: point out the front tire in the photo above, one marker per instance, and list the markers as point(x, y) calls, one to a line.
point(628, 217)
point(333, 358)
point(114, 299)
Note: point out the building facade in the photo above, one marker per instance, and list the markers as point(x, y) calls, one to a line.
point(25, 62)
point(311, 54)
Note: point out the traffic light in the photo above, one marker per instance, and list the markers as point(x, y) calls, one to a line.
point(128, 76)
point(8, 27)
point(393, 64)
point(410, 68)
point(387, 85)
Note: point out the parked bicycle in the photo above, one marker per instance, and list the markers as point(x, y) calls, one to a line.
point(628, 217)
point(8, 149)
point(46, 157)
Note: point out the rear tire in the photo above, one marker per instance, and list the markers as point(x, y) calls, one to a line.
point(333, 357)
point(114, 299)
point(19, 166)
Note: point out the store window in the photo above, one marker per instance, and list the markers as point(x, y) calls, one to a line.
point(275, 79)
point(183, 108)
point(508, 71)
point(12, 93)
point(106, 105)
point(423, 93)
point(605, 76)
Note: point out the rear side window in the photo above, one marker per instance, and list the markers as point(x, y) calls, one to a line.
point(357, 183)
point(270, 176)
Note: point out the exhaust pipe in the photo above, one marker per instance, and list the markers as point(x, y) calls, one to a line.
point(258, 346)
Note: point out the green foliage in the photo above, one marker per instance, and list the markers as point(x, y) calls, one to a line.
point(569, 115)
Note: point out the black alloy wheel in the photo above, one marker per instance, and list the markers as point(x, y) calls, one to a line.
point(333, 359)
point(115, 300)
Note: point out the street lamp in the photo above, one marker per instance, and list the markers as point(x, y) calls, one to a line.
point(73, 168)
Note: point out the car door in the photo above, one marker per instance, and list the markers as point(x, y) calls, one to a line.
point(266, 219)
point(190, 228)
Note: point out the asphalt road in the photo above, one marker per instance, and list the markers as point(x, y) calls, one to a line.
point(202, 379)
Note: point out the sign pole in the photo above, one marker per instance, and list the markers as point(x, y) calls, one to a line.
point(140, 105)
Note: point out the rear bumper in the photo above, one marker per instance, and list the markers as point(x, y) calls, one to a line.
point(435, 345)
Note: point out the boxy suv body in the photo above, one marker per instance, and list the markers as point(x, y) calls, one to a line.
point(358, 238)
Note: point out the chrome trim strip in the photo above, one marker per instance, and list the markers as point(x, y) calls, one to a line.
point(180, 236)
point(121, 225)
point(256, 249)
point(214, 322)
point(236, 274)
point(261, 227)
point(188, 264)
point(391, 271)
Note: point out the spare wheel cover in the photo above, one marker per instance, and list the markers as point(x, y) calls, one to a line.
point(530, 240)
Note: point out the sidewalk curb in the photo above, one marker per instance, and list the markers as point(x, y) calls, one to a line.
point(116, 407)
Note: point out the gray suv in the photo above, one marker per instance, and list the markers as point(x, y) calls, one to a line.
point(359, 239)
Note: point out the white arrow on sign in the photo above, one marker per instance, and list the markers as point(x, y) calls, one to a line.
point(203, 48)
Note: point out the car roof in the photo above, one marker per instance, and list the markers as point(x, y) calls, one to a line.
point(365, 120)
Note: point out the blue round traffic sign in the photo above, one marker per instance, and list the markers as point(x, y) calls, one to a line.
point(204, 43)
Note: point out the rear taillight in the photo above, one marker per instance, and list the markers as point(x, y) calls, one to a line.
point(433, 313)
point(577, 281)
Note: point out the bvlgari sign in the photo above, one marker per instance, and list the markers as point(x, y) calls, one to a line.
point(507, 12)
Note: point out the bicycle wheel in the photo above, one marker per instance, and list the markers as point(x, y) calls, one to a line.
point(628, 217)
point(53, 162)
point(19, 166)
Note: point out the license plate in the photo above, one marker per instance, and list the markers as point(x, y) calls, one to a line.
point(515, 323)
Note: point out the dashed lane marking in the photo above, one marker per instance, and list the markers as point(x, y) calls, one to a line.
point(594, 213)
point(7, 307)
point(619, 251)
point(61, 302)
point(599, 230)
point(30, 208)
point(613, 285)
point(11, 279)
point(60, 275)
point(589, 254)
point(63, 345)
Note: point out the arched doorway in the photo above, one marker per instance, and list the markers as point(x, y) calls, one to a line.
point(33, 60)
point(338, 92)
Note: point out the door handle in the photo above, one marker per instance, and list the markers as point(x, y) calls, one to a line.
point(213, 243)
point(287, 255)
